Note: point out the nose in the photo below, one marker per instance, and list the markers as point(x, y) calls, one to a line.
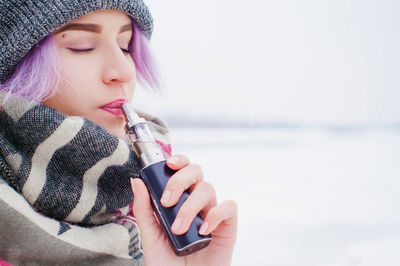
point(118, 68)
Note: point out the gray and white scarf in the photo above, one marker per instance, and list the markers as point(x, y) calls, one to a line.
point(67, 179)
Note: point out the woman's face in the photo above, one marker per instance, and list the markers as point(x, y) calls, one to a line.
point(98, 71)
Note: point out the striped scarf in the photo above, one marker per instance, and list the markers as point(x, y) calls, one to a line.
point(70, 171)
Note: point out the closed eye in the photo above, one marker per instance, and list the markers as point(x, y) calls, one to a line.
point(126, 51)
point(81, 50)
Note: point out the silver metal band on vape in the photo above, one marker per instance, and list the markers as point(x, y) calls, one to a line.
point(141, 138)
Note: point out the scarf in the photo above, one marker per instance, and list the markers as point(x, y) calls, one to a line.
point(68, 178)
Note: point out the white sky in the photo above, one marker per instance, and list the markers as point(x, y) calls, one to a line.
point(294, 60)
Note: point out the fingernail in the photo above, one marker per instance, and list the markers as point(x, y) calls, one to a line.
point(173, 159)
point(166, 196)
point(177, 224)
point(203, 228)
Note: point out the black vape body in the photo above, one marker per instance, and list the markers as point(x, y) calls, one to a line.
point(155, 174)
point(155, 177)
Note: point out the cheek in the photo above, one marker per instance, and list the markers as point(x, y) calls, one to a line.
point(132, 83)
point(78, 73)
point(74, 90)
point(66, 100)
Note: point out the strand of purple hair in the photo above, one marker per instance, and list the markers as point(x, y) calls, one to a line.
point(37, 75)
point(148, 73)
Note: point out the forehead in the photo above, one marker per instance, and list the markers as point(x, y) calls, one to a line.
point(101, 16)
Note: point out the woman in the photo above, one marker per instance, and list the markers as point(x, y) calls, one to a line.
point(66, 67)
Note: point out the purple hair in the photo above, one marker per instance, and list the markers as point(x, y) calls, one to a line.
point(148, 74)
point(37, 76)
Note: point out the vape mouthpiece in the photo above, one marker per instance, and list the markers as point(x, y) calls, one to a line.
point(131, 117)
point(136, 127)
point(139, 134)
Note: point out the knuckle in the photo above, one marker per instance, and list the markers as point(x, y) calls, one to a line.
point(231, 204)
point(207, 186)
point(213, 213)
point(197, 168)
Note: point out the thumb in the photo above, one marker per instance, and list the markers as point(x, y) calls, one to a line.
point(148, 225)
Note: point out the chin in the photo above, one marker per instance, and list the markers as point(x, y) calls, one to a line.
point(115, 128)
point(118, 132)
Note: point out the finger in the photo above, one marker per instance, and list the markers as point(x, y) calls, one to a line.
point(202, 198)
point(225, 212)
point(185, 178)
point(177, 161)
point(143, 211)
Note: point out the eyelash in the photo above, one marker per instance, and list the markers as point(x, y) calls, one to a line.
point(126, 51)
point(81, 50)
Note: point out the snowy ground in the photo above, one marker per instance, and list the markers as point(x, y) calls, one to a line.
point(306, 196)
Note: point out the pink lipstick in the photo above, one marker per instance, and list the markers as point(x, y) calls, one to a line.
point(114, 107)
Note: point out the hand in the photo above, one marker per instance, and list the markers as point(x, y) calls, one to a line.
point(220, 220)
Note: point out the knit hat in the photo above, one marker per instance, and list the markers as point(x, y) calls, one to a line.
point(24, 23)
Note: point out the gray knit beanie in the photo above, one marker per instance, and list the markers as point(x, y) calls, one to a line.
point(24, 23)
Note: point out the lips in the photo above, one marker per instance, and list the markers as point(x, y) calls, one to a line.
point(114, 107)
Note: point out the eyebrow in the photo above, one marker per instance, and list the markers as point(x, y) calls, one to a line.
point(127, 27)
point(90, 27)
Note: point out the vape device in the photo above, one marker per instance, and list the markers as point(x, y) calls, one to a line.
point(155, 174)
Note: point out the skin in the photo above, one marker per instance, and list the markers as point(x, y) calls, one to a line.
point(103, 71)
point(93, 78)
